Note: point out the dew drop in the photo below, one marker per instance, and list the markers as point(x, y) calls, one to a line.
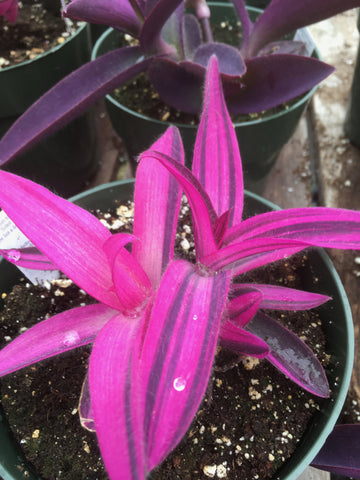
point(71, 338)
point(14, 255)
point(195, 317)
point(179, 384)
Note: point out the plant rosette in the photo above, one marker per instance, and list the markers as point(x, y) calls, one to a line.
point(260, 137)
point(157, 319)
point(66, 160)
point(336, 323)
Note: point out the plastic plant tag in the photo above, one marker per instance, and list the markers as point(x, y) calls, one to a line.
point(12, 237)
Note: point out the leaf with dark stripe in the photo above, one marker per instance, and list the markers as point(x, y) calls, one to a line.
point(216, 161)
point(242, 342)
point(28, 257)
point(274, 297)
point(178, 353)
point(157, 203)
point(116, 398)
point(318, 226)
point(204, 215)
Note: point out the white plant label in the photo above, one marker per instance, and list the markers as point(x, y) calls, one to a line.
point(12, 237)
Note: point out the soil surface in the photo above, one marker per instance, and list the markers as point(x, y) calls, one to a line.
point(271, 412)
point(35, 31)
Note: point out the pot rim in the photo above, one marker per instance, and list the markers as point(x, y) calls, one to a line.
point(82, 26)
point(298, 104)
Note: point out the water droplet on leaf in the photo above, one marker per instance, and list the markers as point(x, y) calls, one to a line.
point(14, 255)
point(179, 384)
point(195, 317)
point(71, 338)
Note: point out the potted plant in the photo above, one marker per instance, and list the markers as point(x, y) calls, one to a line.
point(163, 54)
point(159, 319)
point(73, 148)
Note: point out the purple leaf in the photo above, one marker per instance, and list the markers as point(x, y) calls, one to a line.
point(116, 398)
point(28, 257)
point(68, 235)
point(246, 23)
point(119, 14)
point(282, 298)
point(55, 335)
point(318, 226)
point(229, 58)
point(132, 284)
point(178, 352)
point(340, 453)
point(242, 342)
point(150, 36)
point(248, 254)
point(216, 161)
point(204, 215)
point(282, 17)
point(290, 355)
point(71, 97)
point(191, 36)
point(274, 79)
point(177, 85)
point(157, 203)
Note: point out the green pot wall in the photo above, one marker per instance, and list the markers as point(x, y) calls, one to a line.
point(66, 160)
point(335, 317)
point(260, 140)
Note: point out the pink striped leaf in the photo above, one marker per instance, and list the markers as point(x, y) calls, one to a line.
point(68, 235)
point(290, 355)
point(204, 215)
point(242, 342)
point(244, 305)
point(55, 335)
point(28, 257)
point(132, 284)
point(275, 297)
point(318, 226)
point(340, 453)
point(117, 397)
point(157, 204)
point(249, 254)
point(216, 161)
point(178, 353)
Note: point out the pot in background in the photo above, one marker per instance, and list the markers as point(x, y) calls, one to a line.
point(260, 140)
point(66, 160)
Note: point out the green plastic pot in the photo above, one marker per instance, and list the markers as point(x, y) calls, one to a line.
point(260, 140)
point(67, 159)
point(335, 316)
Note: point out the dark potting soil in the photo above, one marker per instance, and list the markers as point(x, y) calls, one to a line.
point(35, 31)
point(249, 423)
